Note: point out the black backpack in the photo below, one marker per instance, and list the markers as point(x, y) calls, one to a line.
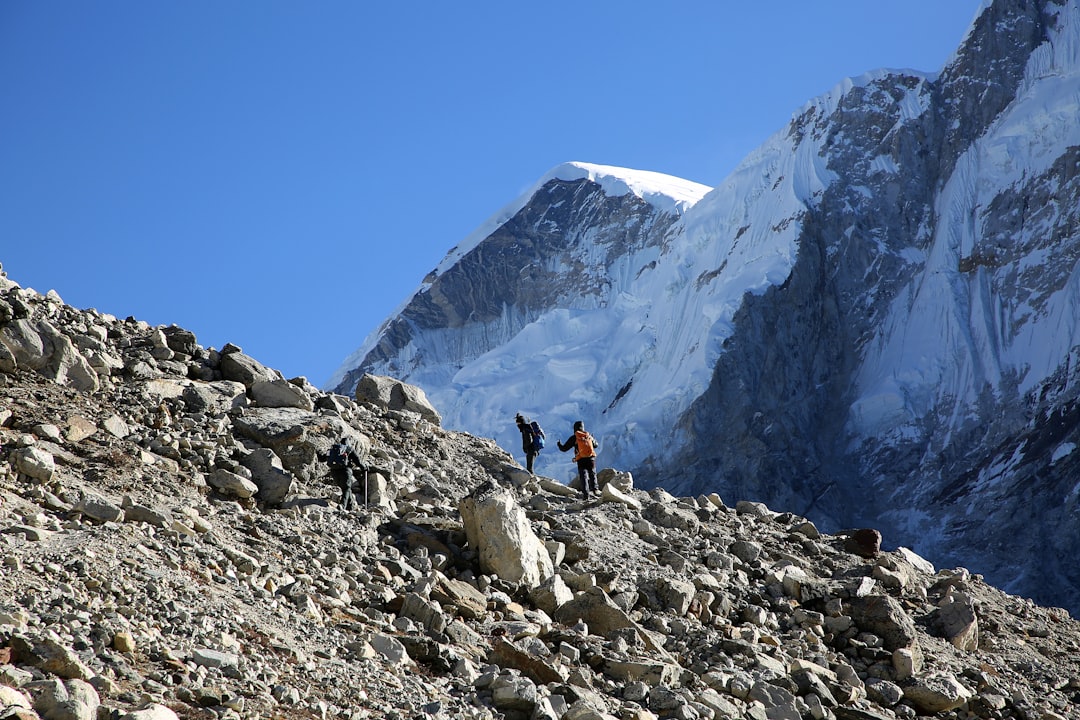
point(339, 455)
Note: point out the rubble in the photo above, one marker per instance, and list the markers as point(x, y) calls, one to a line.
point(171, 547)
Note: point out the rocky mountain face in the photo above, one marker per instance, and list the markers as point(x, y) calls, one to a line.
point(549, 254)
point(872, 321)
point(171, 548)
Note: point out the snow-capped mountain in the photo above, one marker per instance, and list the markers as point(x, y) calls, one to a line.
point(872, 321)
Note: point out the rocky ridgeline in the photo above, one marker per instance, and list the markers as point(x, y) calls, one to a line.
point(170, 548)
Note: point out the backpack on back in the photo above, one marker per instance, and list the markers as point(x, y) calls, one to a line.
point(537, 436)
point(584, 445)
point(339, 455)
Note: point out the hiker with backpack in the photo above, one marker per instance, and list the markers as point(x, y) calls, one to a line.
point(585, 456)
point(532, 439)
point(341, 459)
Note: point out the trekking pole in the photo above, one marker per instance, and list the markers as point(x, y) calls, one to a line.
point(365, 488)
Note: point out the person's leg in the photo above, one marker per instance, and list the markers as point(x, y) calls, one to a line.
point(529, 457)
point(341, 477)
point(590, 475)
point(584, 480)
point(348, 500)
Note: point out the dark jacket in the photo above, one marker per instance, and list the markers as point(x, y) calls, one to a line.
point(351, 458)
point(526, 436)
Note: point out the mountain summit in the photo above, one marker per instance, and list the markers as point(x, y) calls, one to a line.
point(871, 321)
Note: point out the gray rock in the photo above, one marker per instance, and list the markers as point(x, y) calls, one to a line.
point(280, 393)
point(241, 368)
point(214, 658)
point(51, 656)
point(134, 512)
point(231, 483)
point(115, 426)
point(10, 698)
point(98, 508)
point(34, 462)
point(393, 394)
point(267, 472)
point(154, 711)
point(936, 693)
point(551, 594)
point(499, 530)
point(956, 621)
point(390, 648)
point(885, 617)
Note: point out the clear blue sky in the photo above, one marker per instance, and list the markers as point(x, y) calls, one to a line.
point(282, 175)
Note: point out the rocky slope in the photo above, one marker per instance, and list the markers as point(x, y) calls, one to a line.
point(171, 548)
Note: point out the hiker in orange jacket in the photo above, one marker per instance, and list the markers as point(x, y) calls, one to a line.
point(585, 457)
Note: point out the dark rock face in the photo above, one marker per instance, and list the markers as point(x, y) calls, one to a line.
point(774, 423)
point(531, 263)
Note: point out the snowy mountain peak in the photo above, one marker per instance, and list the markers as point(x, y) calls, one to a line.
point(664, 192)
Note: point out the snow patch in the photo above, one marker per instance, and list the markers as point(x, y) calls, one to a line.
point(1063, 450)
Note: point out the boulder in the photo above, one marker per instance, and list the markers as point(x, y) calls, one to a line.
point(34, 462)
point(41, 347)
point(12, 698)
point(98, 508)
point(551, 594)
point(153, 711)
point(676, 595)
point(180, 340)
point(497, 527)
point(280, 393)
point(919, 562)
point(136, 512)
point(612, 493)
point(393, 394)
point(238, 367)
point(596, 609)
point(25, 344)
point(650, 673)
point(623, 481)
point(956, 621)
point(507, 654)
point(67, 366)
point(79, 428)
point(936, 694)
point(865, 542)
point(298, 437)
point(231, 483)
point(212, 398)
point(48, 655)
point(267, 472)
point(115, 426)
point(883, 616)
point(463, 597)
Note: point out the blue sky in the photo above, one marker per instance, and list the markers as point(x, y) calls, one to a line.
point(282, 175)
